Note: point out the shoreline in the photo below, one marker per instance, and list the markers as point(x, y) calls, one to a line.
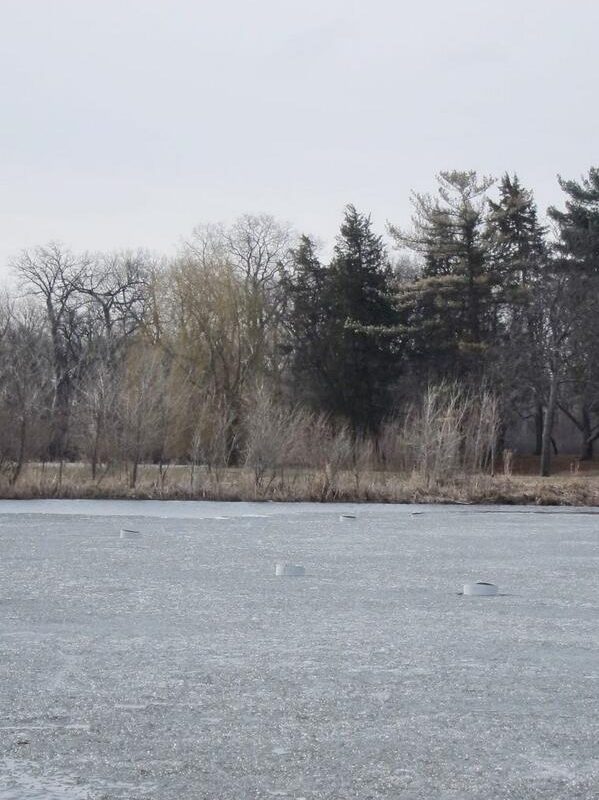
point(239, 485)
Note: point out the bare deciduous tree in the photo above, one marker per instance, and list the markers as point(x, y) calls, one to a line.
point(25, 380)
point(53, 273)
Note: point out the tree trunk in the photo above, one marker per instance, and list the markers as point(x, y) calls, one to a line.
point(233, 453)
point(21, 456)
point(538, 429)
point(162, 474)
point(133, 475)
point(95, 449)
point(548, 427)
point(586, 453)
point(60, 420)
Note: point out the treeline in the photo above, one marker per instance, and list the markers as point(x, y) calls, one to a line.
point(214, 357)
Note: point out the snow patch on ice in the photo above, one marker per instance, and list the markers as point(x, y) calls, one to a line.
point(21, 781)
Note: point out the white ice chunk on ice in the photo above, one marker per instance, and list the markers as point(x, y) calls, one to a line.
point(289, 570)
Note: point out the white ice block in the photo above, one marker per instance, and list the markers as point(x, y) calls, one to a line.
point(289, 570)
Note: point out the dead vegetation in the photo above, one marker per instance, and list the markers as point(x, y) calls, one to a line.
point(301, 485)
point(443, 450)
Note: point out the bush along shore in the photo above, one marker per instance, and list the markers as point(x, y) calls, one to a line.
point(443, 450)
point(178, 482)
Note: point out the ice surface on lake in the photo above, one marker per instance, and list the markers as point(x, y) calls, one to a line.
point(177, 666)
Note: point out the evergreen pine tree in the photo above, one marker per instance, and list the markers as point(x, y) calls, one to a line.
point(449, 310)
point(363, 361)
point(341, 361)
point(519, 258)
point(515, 237)
point(578, 250)
point(306, 321)
point(578, 225)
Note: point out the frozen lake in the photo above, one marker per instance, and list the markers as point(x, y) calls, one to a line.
point(175, 666)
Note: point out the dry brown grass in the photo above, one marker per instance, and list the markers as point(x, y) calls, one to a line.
point(296, 485)
point(561, 466)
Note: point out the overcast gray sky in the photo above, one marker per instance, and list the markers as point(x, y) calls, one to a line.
point(127, 122)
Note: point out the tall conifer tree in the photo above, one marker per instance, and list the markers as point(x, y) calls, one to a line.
point(519, 258)
point(579, 224)
point(449, 310)
point(343, 361)
point(578, 251)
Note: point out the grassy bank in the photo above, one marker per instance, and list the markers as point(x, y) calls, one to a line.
point(570, 486)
